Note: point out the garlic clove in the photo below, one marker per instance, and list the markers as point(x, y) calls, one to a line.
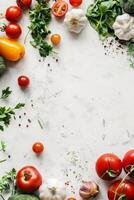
point(89, 189)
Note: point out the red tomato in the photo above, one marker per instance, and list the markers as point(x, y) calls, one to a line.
point(24, 4)
point(23, 81)
point(59, 8)
point(75, 3)
point(13, 31)
point(121, 191)
point(28, 179)
point(38, 147)
point(13, 13)
point(128, 163)
point(108, 166)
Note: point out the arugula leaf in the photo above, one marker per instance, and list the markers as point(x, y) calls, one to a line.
point(40, 17)
point(5, 93)
point(102, 15)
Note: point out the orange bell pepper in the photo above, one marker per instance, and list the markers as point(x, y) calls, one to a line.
point(11, 50)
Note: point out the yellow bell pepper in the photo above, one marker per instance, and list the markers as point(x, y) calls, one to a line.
point(11, 50)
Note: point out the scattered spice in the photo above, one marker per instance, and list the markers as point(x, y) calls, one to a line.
point(40, 124)
point(29, 120)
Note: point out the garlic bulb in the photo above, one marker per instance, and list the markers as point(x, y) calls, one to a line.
point(53, 189)
point(75, 20)
point(124, 27)
point(89, 189)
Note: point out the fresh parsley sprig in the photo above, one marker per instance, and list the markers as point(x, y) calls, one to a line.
point(5, 93)
point(40, 17)
point(6, 114)
point(7, 182)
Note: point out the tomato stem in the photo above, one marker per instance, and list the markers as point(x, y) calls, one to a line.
point(131, 170)
point(26, 176)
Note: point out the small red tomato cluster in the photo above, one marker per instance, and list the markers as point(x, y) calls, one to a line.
point(13, 15)
point(109, 166)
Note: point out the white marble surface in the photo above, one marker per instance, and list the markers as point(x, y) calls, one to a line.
point(85, 103)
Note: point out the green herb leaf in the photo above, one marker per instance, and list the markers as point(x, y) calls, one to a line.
point(6, 114)
point(102, 15)
point(7, 182)
point(5, 93)
point(40, 17)
point(131, 48)
point(19, 105)
point(2, 146)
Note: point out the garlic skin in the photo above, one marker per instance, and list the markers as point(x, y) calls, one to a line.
point(124, 27)
point(89, 189)
point(53, 189)
point(75, 20)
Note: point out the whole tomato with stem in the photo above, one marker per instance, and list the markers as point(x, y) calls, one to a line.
point(121, 190)
point(28, 179)
point(13, 31)
point(128, 163)
point(108, 166)
point(59, 8)
point(13, 13)
point(24, 4)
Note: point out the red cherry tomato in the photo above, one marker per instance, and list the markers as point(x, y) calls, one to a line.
point(13, 31)
point(75, 3)
point(108, 166)
point(38, 147)
point(59, 8)
point(24, 4)
point(121, 191)
point(13, 13)
point(23, 81)
point(128, 163)
point(28, 179)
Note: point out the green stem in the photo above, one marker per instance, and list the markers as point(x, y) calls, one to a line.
point(25, 39)
point(132, 169)
point(99, 21)
point(1, 161)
